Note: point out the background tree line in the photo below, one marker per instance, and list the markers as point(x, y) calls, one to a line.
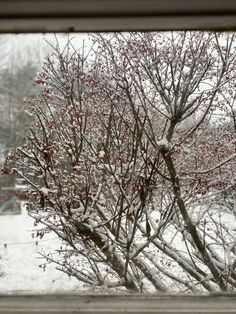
point(20, 61)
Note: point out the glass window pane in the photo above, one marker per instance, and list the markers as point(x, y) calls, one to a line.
point(118, 162)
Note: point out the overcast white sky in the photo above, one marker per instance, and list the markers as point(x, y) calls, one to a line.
point(18, 48)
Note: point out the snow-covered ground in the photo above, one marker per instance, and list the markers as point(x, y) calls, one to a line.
point(20, 260)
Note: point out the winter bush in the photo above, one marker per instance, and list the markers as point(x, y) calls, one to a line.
point(132, 145)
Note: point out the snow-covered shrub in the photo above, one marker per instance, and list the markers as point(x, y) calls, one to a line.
point(126, 156)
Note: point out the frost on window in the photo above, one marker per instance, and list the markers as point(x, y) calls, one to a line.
point(125, 148)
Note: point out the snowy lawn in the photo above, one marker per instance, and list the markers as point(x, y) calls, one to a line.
point(22, 268)
point(20, 260)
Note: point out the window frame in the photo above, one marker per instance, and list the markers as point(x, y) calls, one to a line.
point(17, 16)
point(30, 16)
